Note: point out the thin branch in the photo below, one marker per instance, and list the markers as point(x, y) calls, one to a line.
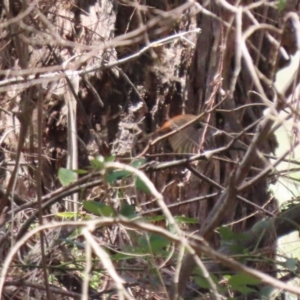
point(197, 244)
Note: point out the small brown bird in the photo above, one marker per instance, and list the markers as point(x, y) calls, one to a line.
point(186, 140)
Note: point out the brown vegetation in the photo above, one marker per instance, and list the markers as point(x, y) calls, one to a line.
point(93, 79)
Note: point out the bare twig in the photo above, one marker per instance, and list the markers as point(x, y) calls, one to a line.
point(199, 245)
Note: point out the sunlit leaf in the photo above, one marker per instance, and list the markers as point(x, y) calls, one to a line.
point(66, 176)
point(80, 171)
point(67, 215)
point(291, 264)
point(97, 163)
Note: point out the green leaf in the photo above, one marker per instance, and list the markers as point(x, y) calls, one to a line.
point(140, 185)
point(121, 256)
point(98, 163)
point(232, 240)
point(239, 282)
point(153, 243)
point(158, 242)
point(241, 279)
point(186, 220)
point(127, 210)
point(109, 158)
point(203, 283)
point(138, 162)
point(291, 264)
point(67, 215)
point(281, 5)
point(244, 289)
point(75, 233)
point(66, 176)
point(99, 209)
point(238, 249)
point(155, 218)
point(112, 176)
point(268, 292)
point(226, 233)
point(80, 171)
